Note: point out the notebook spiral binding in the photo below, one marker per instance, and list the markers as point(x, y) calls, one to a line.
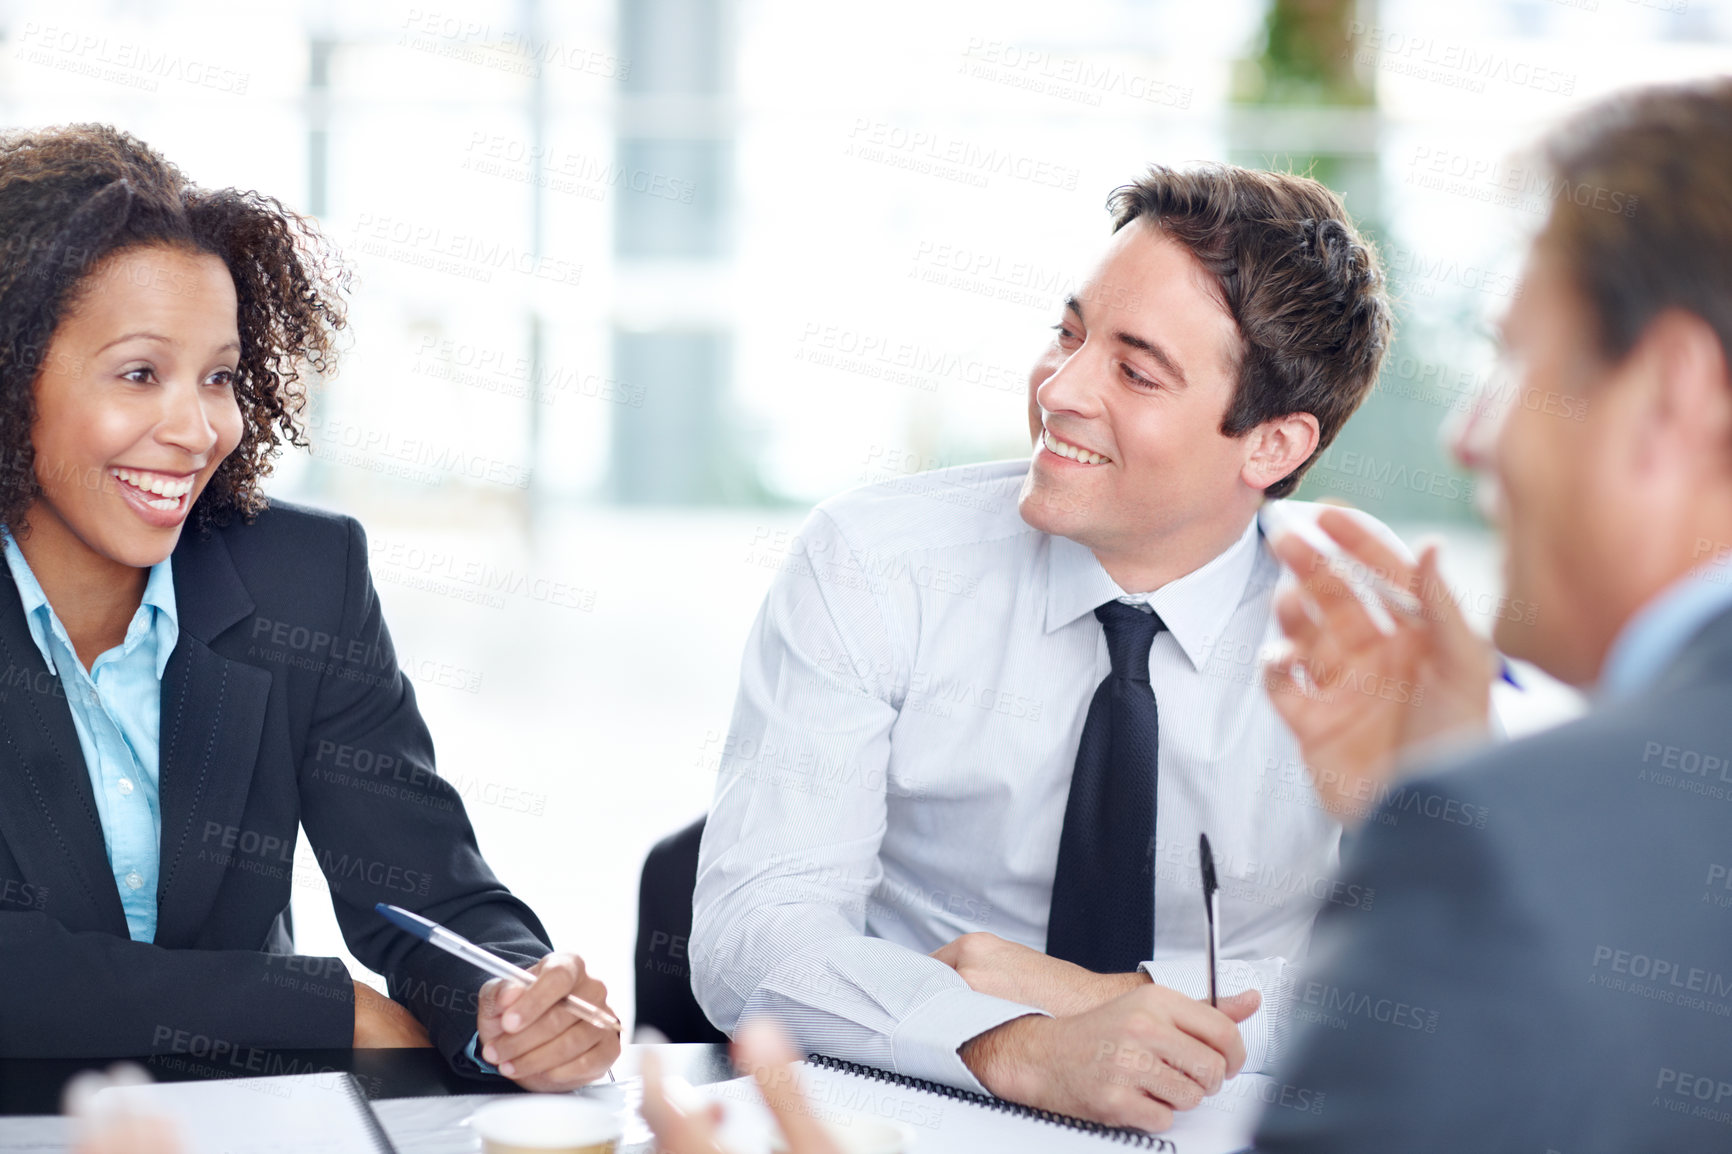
point(1124, 1137)
point(381, 1139)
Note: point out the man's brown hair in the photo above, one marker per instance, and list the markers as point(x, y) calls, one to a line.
point(1304, 288)
point(1641, 190)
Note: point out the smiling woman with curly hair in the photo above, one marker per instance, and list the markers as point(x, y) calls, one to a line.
point(69, 198)
point(175, 706)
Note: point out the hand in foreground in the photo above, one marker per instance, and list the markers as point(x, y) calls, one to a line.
point(534, 1035)
point(1355, 697)
point(382, 1024)
point(760, 1048)
point(1130, 1062)
point(103, 1127)
point(130, 1136)
point(1009, 970)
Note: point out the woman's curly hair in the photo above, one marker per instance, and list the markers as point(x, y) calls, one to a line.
point(73, 196)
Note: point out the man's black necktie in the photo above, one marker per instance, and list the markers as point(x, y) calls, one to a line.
point(1103, 895)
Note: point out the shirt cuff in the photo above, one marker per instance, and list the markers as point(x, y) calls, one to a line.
point(928, 1041)
point(473, 1053)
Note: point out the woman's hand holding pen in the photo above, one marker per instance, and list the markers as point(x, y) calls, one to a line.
point(537, 1038)
point(1357, 697)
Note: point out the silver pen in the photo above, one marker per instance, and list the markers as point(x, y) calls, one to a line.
point(457, 945)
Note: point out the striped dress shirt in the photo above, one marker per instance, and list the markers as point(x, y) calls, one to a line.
point(911, 702)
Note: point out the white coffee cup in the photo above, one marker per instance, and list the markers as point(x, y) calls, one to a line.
point(547, 1124)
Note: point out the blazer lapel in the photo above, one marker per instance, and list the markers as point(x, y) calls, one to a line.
point(47, 807)
point(213, 713)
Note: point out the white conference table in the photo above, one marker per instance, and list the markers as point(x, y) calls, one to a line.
point(425, 1109)
point(429, 1125)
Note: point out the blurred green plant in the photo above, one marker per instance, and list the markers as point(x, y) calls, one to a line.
point(1302, 101)
point(1307, 58)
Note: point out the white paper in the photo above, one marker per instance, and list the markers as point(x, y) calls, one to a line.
point(293, 1114)
point(940, 1125)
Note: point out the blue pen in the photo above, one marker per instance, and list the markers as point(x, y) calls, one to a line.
point(456, 944)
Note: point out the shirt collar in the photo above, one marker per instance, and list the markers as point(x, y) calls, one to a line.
point(1660, 629)
point(37, 614)
point(1195, 608)
point(156, 611)
point(159, 595)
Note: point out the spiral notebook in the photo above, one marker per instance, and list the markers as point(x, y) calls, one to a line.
point(945, 1119)
point(290, 1114)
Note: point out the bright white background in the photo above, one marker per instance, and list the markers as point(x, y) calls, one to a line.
point(580, 733)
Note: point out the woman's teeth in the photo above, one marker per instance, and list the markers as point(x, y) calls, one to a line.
point(168, 490)
point(1067, 450)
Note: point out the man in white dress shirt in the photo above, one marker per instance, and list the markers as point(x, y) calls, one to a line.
point(908, 746)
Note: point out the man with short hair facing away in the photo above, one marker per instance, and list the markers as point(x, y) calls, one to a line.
point(1556, 972)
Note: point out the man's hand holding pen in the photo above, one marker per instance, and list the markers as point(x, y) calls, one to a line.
point(1119, 1049)
point(536, 1037)
point(1130, 1062)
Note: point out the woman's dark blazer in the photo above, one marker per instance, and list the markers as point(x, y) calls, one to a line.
point(282, 706)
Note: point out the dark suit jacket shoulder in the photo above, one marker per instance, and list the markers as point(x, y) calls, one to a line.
point(282, 708)
point(1547, 964)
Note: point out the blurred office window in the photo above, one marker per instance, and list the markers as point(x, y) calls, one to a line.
point(667, 452)
point(673, 223)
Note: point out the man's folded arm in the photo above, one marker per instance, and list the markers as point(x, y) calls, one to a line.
point(789, 864)
point(92, 994)
point(875, 1002)
point(780, 931)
